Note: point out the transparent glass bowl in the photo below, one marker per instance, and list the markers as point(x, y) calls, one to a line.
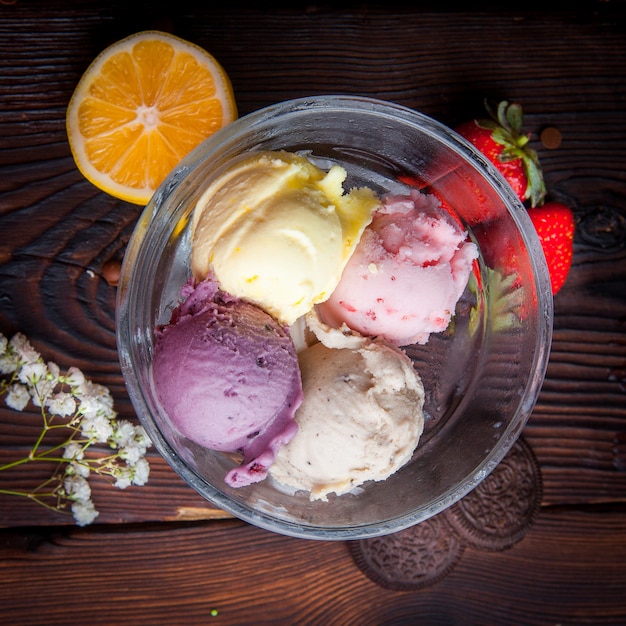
point(481, 376)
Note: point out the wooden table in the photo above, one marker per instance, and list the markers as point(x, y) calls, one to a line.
point(160, 554)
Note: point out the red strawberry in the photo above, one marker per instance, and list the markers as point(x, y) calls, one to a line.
point(554, 223)
point(501, 140)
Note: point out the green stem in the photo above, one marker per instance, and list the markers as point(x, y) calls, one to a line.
point(38, 498)
point(25, 494)
point(39, 457)
point(42, 434)
point(33, 456)
point(15, 463)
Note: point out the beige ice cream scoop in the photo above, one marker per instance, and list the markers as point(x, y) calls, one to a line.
point(361, 419)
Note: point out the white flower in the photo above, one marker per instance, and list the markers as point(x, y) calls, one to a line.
point(124, 433)
point(61, 403)
point(32, 373)
point(124, 477)
point(141, 472)
point(131, 453)
point(89, 389)
point(8, 364)
point(73, 451)
point(17, 397)
point(8, 358)
point(141, 437)
point(40, 380)
point(132, 441)
point(88, 407)
point(22, 347)
point(74, 377)
point(84, 512)
point(77, 468)
point(94, 400)
point(54, 373)
point(97, 428)
point(77, 488)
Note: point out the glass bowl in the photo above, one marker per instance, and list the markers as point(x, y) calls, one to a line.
point(481, 376)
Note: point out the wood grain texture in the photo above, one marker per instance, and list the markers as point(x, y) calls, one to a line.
point(178, 574)
point(57, 233)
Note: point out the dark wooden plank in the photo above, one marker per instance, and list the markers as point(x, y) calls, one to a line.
point(559, 574)
point(57, 233)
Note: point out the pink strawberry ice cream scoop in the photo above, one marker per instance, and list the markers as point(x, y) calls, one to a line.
point(406, 275)
point(227, 375)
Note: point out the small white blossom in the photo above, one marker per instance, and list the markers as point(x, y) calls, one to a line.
point(124, 433)
point(89, 389)
point(77, 468)
point(9, 358)
point(77, 488)
point(97, 428)
point(141, 437)
point(132, 453)
point(40, 380)
point(74, 377)
point(33, 373)
point(132, 441)
point(94, 400)
point(124, 477)
point(9, 363)
point(61, 403)
point(88, 407)
point(54, 373)
point(17, 397)
point(22, 347)
point(84, 512)
point(73, 451)
point(141, 472)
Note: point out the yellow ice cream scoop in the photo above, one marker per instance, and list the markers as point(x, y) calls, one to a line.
point(278, 231)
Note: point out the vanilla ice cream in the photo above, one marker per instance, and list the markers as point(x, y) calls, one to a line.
point(278, 231)
point(361, 418)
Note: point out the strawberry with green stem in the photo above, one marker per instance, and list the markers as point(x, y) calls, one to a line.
point(502, 140)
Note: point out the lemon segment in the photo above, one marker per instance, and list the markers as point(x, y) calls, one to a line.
point(142, 105)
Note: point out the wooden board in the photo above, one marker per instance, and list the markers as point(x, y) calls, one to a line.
point(57, 234)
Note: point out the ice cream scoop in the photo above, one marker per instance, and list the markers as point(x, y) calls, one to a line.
point(227, 375)
point(406, 275)
point(361, 418)
point(278, 231)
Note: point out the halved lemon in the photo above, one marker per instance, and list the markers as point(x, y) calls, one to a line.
point(142, 105)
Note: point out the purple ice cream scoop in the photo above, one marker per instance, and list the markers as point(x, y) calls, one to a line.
point(227, 375)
